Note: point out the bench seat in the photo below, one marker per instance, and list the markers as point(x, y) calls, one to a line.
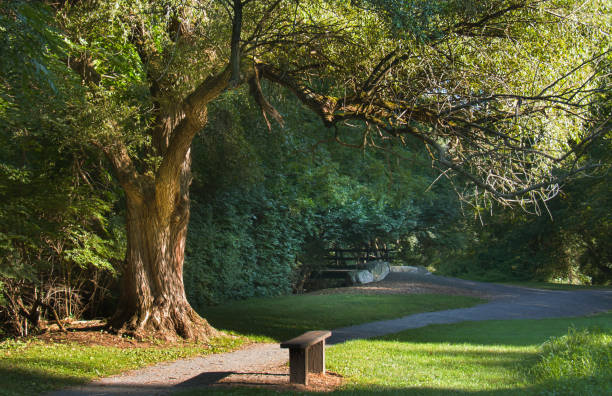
point(306, 355)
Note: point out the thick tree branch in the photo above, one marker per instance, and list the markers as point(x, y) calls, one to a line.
point(130, 179)
point(473, 144)
point(193, 109)
point(358, 106)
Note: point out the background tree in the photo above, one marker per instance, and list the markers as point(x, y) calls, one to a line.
point(570, 243)
point(59, 241)
point(496, 90)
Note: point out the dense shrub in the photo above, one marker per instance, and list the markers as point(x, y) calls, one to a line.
point(240, 245)
point(60, 243)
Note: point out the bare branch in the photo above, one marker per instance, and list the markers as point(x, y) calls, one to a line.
point(266, 107)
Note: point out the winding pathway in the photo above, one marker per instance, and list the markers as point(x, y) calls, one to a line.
point(506, 302)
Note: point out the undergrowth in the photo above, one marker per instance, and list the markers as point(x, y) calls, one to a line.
point(578, 363)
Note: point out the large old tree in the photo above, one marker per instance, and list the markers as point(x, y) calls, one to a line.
point(496, 90)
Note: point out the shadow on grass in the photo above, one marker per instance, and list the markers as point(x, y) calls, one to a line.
point(282, 318)
point(570, 387)
point(20, 381)
point(50, 365)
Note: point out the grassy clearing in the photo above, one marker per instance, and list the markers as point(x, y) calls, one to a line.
point(493, 357)
point(500, 358)
point(281, 318)
point(34, 367)
point(30, 368)
point(578, 363)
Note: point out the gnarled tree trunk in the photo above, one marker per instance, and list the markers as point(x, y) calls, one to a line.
point(153, 300)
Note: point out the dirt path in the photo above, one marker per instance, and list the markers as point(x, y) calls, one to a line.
point(506, 302)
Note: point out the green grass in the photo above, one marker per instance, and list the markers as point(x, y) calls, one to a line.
point(492, 357)
point(34, 367)
point(281, 318)
point(554, 286)
point(530, 332)
point(526, 283)
point(500, 358)
point(579, 362)
point(470, 358)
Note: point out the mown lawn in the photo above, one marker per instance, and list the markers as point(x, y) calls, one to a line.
point(476, 358)
point(30, 368)
point(34, 367)
point(492, 357)
point(281, 318)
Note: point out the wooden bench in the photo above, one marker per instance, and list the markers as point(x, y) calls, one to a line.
point(306, 355)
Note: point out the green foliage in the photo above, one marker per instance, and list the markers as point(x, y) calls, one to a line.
point(243, 237)
point(578, 363)
point(570, 243)
point(267, 204)
point(240, 245)
point(56, 230)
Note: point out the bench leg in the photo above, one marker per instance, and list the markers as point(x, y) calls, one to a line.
point(316, 358)
point(298, 362)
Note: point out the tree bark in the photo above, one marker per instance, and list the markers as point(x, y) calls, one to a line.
point(153, 300)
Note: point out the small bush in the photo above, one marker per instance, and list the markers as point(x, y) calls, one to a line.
point(578, 363)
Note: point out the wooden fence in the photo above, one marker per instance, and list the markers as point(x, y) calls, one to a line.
point(357, 258)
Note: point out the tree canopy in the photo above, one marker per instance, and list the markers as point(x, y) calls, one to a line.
point(498, 92)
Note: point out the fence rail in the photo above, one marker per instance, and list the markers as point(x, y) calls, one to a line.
point(357, 257)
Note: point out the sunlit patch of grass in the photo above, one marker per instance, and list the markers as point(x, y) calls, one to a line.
point(492, 357)
point(526, 332)
point(498, 358)
point(281, 318)
point(385, 364)
point(30, 368)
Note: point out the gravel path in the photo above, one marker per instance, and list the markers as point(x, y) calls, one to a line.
point(506, 302)
point(165, 378)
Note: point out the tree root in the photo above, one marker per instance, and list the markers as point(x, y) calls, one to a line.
point(168, 325)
